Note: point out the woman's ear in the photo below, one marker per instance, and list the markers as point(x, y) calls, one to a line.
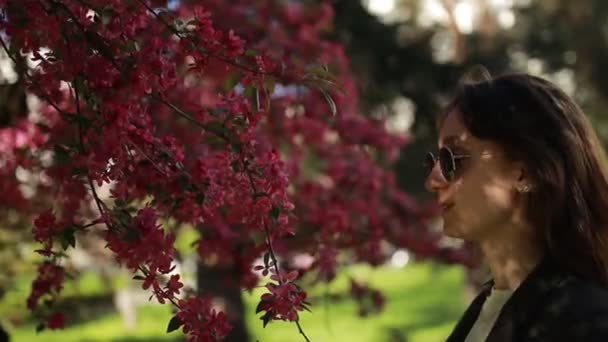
point(523, 183)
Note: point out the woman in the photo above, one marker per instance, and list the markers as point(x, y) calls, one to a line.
point(521, 174)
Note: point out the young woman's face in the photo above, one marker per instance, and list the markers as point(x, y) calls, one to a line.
point(482, 197)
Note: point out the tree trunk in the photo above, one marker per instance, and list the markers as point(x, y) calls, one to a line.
point(223, 284)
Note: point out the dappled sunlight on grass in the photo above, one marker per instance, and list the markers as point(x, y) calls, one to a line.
point(423, 302)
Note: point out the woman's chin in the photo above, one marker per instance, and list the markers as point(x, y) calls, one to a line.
point(450, 230)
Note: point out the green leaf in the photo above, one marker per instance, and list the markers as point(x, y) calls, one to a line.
point(79, 85)
point(132, 46)
point(132, 234)
point(266, 259)
point(174, 324)
point(275, 212)
point(217, 128)
point(235, 165)
point(120, 203)
point(62, 154)
point(258, 105)
point(236, 147)
point(322, 72)
point(200, 198)
point(251, 53)
point(68, 239)
point(80, 171)
point(13, 48)
point(123, 216)
point(269, 83)
point(183, 180)
point(232, 81)
point(83, 121)
point(40, 327)
point(330, 101)
point(217, 111)
point(250, 91)
point(266, 318)
point(260, 194)
point(259, 308)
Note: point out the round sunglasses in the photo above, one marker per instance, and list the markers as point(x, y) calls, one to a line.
point(447, 162)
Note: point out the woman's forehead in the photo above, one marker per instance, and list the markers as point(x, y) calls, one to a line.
point(453, 131)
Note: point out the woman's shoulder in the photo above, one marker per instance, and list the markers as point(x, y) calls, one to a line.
point(575, 310)
point(560, 290)
point(575, 295)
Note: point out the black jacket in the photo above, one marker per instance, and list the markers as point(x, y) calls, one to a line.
point(550, 305)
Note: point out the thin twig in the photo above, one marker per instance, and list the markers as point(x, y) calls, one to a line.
point(302, 331)
point(88, 35)
point(146, 156)
point(171, 299)
point(188, 117)
point(28, 76)
point(179, 35)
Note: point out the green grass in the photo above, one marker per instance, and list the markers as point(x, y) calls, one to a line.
point(423, 302)
point(151, 326)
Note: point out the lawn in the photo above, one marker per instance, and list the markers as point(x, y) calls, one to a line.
point(423, 302)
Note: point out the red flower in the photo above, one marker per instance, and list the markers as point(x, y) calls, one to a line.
point(149, 245)
point(44, 226)
point(56, 321)
point(236, 45)
point(284, 300)
point(173, 286)
point(201, 322)
point(49, 281)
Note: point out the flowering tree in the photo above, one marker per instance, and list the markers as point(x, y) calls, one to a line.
point(241, 120)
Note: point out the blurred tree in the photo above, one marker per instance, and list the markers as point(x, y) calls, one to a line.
point(237, 119)
point(420, 50)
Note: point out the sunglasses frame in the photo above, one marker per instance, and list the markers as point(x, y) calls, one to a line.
point(448, 167)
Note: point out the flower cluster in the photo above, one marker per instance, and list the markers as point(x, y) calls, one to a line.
point(241, 120)
point(141, 241)
point(284, 300)
point(48, 282)
point(201, 322)
point(45, 228)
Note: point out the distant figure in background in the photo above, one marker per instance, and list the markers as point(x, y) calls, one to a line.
point(521, 173)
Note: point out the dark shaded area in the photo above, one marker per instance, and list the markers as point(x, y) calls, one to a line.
point(81, 309)
point(4, 336)
point(222, 283)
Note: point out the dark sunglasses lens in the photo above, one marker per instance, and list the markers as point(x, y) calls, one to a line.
point(448, 165)
point(429, 162)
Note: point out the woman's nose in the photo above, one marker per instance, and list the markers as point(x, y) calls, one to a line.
point(435, 180)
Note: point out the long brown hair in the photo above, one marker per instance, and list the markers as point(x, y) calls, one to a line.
point(537, 123)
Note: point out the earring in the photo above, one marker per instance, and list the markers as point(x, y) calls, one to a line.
point(524, 189)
